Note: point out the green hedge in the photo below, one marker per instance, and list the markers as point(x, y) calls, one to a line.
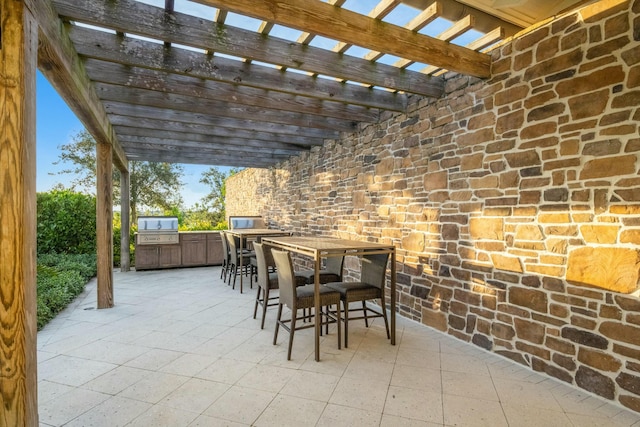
point(66, 223)
point(61, 277)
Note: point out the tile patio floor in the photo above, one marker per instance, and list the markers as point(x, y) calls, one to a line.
point(180, 348)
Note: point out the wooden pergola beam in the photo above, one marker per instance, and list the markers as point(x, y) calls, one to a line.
point(144, 54)
point(18, 319)
point(323, 19)
point(149, 21)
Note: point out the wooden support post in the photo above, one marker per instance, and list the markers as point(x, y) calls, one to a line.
point(125, 221)
point(104, 228)
point(18, 328)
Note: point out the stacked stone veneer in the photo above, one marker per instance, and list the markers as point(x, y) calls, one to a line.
point(514, 203)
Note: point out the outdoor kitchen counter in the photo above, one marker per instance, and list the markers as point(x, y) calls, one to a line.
point(193, 249)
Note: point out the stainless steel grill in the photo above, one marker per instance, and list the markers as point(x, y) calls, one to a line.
point(157, 230)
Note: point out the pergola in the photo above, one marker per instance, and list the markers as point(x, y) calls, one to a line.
point(164, 83)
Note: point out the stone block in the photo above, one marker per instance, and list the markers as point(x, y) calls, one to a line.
point(603, 234)
point(588, 105)
point(486, 228)
point(414, 242)
point(585, 338)
point(434, 319)
point(554, 65)
point(602, 78)
point(614, 269)
point(609, 166)
point(529, 331)
point(621, 332)
point(546, 112)
point(509, 122)
point(436, 180)
point(507, 263)
point(599, 360)
point(528, 298)
point(475, 138)
point(560, 345)
point(529, 232)
point(595, 382)
point(629, 382)
point(523, 159)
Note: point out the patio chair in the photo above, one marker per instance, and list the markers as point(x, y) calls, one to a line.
point(371, 286)
point(300, 297)
point(267, 279)
point(234, 260)
point(226, 257)
point(332, 271)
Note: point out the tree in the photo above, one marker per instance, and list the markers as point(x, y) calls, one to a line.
point(214, 201)
point(155, 185)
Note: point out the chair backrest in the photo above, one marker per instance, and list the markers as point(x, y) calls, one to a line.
point(373, 269)
point(264, 259)
point(233, 248)
point(286, 277)
point(334, 265)
point(225, 246)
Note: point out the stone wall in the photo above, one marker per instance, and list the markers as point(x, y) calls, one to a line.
point(514, 203)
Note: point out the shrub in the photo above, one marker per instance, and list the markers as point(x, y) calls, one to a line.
point(60, 279)
point(66, 223)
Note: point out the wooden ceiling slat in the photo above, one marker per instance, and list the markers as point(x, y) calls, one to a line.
point(116, 74)
point(246, 159)
point(150, 21)
point(140, 53)
point(214, 144)
point(322, 19)
point(195, 132)
point(130, 110)
point(170, 101)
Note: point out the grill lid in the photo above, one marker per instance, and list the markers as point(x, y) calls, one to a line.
point(157, 224)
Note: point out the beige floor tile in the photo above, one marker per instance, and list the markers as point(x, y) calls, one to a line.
point(525, 394)
point(188, 364)
point(113, 412)
point(421, 358)
point(240, 404)
point(48, 390)
point(72, 371)
point(154, 387)
point(291, 411)
point(311, 385)
point(171, 341)
point(417, 378)
point(154, 359)
point(195, 395)
point(109, 351)
point(465, 363)
point(360, 393)
point(266, 378)
point(207, 421)
point(227, 371)
point(344, 416)
point(415, 404)
point(68, 406)
point(527, 416)
point(116, 380)
point(159, 415)
point(464, 411)
point(394, 421)
point(468, 385)
point(369, 368)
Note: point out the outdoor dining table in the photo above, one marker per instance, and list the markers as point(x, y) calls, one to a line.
point(322, 247)
point(256, 233)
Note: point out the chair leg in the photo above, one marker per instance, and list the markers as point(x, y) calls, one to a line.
point(294, 316)
point(224, 263)
point(255, 309)
point(265, 302)
point(364, 310)
point(339, 327)
point(384, 316)
point(345, 305)
point(235, 276)
point(275, 334)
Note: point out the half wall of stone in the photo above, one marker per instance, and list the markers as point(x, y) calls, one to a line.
point(514, 203)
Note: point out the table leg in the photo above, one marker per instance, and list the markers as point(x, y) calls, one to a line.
point(317, 317)
point(240, 245)
point(393, 298)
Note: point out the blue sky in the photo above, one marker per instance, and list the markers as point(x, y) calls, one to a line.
point(56, 125)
